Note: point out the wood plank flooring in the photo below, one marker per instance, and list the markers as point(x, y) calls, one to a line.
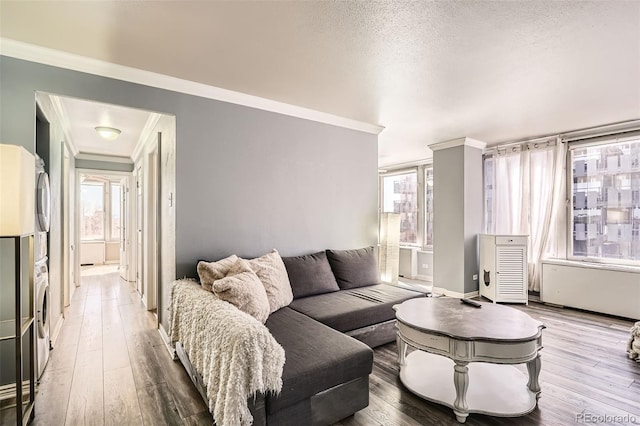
point(109, 366)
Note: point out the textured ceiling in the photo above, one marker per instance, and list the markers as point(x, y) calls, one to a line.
point(427, 71)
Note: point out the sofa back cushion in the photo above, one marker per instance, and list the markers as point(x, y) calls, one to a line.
point(273, 274)
point(310, 275)
point(354, 268)
point(211, 271)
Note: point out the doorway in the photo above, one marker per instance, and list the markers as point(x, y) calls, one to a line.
point(101, 221)
point(68, 231)
point(131, 177)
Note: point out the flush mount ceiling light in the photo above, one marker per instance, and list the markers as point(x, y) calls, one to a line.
point(108, 133)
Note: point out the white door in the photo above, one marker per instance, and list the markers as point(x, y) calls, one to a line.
point(66, 222)
point(139, 233)
point(151, 253)
point(124, 228)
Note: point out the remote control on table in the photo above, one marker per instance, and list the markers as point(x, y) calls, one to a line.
point(471, 303)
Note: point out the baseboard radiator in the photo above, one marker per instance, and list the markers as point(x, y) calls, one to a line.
point(416, 264)
point(92, 253)
point(606, 289)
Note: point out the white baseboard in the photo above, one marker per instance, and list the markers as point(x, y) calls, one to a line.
point(56, 330)
point(449, 293)
point(9, 391)
point(427, 278)
point(167, 342)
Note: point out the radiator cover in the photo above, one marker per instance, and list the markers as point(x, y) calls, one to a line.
point(600, 288)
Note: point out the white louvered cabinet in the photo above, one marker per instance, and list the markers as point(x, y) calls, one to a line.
point(503, 268)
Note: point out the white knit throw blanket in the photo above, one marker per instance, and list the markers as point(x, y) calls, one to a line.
point(235, 354)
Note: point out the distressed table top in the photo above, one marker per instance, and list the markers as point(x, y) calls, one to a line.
point(451, 317)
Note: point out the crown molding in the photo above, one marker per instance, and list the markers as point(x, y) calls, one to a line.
point(457, 142)
point(63, 117)
point(60, 59)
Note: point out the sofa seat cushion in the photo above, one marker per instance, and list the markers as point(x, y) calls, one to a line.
point(317, 357)
point(348, 310)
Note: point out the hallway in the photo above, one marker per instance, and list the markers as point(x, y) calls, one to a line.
point(109, 366)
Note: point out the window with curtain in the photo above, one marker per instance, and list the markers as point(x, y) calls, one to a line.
point(400, 195)
point(524, 193)
point(428, 206)
point(488, 194)
point(605, 201)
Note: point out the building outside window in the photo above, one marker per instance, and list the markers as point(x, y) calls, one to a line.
point(603, 187)
point(428, 209)
point(100, 210)
point(92, 211)
point(605, 195)
point(115, 211)
point(400, 195)
point(488, 195)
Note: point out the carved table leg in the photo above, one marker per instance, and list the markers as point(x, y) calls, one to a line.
point(533, 367)
point(402, 350)
point(461, 381)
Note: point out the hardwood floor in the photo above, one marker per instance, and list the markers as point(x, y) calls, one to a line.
point(109, 366)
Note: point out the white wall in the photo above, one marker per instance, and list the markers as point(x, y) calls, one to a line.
point(163, 272)
point(56, 258)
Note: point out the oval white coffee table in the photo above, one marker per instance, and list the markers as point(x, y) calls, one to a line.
point(462, 352)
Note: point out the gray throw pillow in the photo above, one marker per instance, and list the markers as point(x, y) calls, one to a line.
point(211, 271)
point(354, 268)
point(310, 274)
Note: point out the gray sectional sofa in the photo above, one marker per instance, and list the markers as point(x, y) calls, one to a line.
point(339, 312)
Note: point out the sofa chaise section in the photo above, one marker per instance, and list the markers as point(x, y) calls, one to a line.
point(325, 376)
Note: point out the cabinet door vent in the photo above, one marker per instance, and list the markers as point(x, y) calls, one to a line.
point(512, 269)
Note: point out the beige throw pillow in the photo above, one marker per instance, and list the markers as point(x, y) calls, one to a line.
point(273, 274)
point(211, 271)
point(242, 288)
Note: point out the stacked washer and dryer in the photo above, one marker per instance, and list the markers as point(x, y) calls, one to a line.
point(41, 273)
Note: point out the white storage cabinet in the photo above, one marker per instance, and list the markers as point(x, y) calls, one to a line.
point(503, 268)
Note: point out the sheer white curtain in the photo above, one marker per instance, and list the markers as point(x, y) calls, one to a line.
point(508, 196)
point(528, 197)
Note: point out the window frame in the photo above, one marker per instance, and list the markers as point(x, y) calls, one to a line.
point(421, 201)
point(487, 224)
point(107, 207)
point(110, 215)
point(596, 142)
point(104, 211)
point(398, 172)
point(424, 169)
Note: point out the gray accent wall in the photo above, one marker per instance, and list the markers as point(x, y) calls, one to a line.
point(247, 180)
point(260, 180)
